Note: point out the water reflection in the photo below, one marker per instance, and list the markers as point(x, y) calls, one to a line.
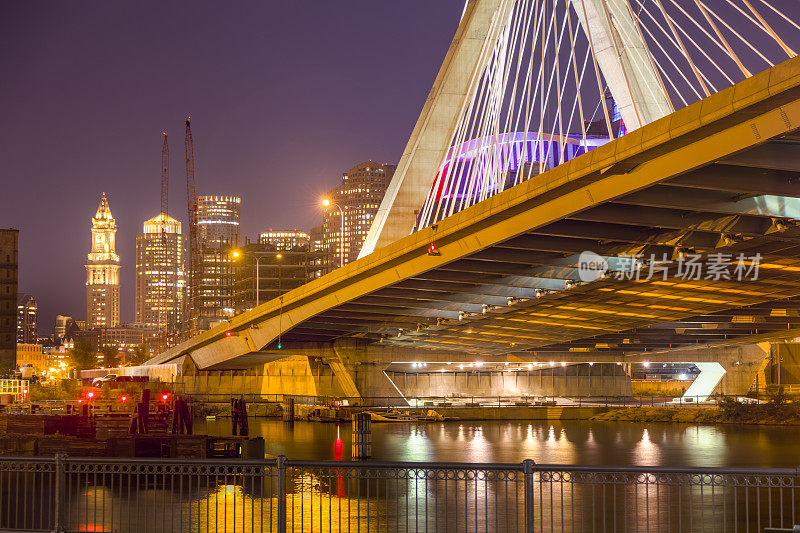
point(336, 499)
point(568, 442)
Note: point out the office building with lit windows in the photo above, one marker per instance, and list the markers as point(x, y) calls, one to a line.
point(102, 271)
point(217, 235)
point(8, 297)
point(269, 271)
point(284, 239)
point(358, 199)
point(160, 281)
point(218, 220)
point(27, 318)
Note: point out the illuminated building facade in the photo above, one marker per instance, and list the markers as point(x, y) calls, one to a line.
point(8, 297)
point(217, 234)
point(218, 220)
point(284, 239)
point(160, 278)
point(359, 197)
point(32, 354)
point(27, 318)
point(124, 337)
point(64, 326)
point(102, 271)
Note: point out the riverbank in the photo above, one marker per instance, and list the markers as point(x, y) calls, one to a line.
point(699, 415)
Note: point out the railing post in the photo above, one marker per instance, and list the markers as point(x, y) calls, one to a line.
point(527, 472)
point(281, 462)
point(58, 493)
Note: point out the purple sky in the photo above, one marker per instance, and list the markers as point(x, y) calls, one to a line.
point(284, 97)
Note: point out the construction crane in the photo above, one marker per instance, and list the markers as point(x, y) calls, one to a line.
point(166, 322)
point(164, 186)
point(165, 175)
point(194, 259)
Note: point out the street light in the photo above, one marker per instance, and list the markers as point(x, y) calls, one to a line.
point(326, 202)
point(235, 254)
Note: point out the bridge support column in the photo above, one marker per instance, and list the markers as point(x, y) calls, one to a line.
point(363, 366)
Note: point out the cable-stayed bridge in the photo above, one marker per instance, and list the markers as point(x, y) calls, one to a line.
point(589, 181)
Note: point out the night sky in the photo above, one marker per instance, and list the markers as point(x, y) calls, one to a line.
point(284, 97)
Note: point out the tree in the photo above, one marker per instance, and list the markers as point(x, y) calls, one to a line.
point(140, 355)
point(83, 356)
point(111, 357)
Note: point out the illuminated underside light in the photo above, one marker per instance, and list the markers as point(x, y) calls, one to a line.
point(559, 324)
point(775, 266)
point(743, 319)
point(670, 308)
point(710, 301)
point(580, 349)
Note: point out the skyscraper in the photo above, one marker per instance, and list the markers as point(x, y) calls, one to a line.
point(102, 271)
point(218, 220)
point(8, 297)
point(27, 318)
point(217, 234)
point(159, 275)
point(357, 200)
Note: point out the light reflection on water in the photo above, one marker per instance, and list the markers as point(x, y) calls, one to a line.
point(567, 442)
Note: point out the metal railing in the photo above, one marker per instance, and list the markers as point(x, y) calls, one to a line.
point(178, 495)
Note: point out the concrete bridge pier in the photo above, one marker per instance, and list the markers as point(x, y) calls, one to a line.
point(743, 365)
point(364, 366)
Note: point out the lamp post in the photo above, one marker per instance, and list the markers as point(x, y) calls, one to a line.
point(326, 203)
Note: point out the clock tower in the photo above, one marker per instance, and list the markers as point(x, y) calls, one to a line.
point(102, 271)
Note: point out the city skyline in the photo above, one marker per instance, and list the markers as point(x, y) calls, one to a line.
point(249, 142)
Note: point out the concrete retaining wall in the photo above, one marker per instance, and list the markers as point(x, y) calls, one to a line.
point(573, 380)
point(298, 375)
point(520, 413)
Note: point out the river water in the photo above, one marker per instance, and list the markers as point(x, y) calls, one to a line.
point(195, 497)
point(552, 442)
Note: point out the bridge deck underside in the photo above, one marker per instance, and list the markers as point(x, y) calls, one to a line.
point(743, 205)
point(721, 176)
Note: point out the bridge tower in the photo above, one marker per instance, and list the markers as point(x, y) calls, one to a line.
point(618, 49)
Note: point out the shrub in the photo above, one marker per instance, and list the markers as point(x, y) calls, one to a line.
point(732, 409)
